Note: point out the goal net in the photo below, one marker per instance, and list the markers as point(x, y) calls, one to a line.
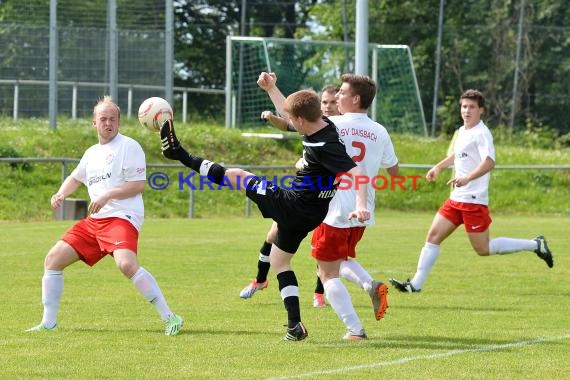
point(314, 64)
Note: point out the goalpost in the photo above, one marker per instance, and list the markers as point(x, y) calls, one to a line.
point(313, 64)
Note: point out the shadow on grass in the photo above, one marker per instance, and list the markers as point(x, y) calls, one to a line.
point(423, 342)
point(441, 342)
point(460, 308)
point(159, 332)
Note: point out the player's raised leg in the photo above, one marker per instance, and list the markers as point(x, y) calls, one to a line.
point(218, 174)
point(538, 245)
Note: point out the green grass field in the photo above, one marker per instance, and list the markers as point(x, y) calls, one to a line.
point(476, 318)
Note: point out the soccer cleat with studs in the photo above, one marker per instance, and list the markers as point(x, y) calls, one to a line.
point(298, 332)
point(42, 328)
point(404, 286)
point(361, 335)
point(252, 287)
point(379, 295)
point(543, 251)
point(319, 300)
point(171, 147)
point(173, 325)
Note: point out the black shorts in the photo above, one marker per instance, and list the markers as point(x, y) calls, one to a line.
point(295, 215)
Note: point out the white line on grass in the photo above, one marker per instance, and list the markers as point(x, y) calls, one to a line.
point(423, 357)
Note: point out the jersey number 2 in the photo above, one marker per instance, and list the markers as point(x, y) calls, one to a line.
point(362, 151)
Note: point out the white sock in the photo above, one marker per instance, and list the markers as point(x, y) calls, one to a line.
point(148, 287)
point(428, 257)
point(503, 245)
point(352, 271)
point(52, 287)
point(340, 301)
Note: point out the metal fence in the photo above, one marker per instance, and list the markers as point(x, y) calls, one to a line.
point(65, 163)
point(75, 106)
point(62, 55)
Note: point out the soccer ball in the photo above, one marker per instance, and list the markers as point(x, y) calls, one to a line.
point(153, 112)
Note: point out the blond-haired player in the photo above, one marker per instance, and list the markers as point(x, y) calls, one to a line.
point(114, 171)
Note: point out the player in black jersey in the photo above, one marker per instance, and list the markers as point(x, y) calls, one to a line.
point(299, 208)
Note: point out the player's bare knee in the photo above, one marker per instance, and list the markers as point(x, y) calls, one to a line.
point(60, 256)
point(50, 261)
point(433, 237)
point(127, 267)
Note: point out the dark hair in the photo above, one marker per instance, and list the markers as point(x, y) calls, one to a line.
point(331, 88)
point(473, 95)
point(305, 104)
point(362, 86)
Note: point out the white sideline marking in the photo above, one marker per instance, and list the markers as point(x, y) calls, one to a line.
point(424, 357)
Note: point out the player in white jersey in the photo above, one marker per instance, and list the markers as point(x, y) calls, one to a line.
point(473, 157)
point(114, 171)
point(334, 241)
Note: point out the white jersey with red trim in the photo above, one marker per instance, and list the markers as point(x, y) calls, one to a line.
point(472, 147)
point(111, 165)
point(369, 145)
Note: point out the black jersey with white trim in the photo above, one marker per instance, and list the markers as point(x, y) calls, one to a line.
point(324, 158)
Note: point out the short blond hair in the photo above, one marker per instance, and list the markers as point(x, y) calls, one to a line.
point(106, 100)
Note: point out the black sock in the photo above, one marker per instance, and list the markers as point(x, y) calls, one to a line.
point(213, 171)
point(263, 266)
point(288, 279)
point(319, 288)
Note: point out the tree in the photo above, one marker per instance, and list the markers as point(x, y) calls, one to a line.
point(201, 30)
point(479, 45)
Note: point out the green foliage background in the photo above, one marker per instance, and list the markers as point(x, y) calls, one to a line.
point(26, 188)
point(479, 45)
